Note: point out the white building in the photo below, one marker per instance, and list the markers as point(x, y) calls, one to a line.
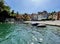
point(42, 15)
point(39, 16)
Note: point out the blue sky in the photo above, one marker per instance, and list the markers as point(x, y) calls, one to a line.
point(33, 6)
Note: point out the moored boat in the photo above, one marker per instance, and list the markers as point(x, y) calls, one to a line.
point(41, 25)
point(34, 24)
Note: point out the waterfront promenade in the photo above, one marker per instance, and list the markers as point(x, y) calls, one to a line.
point(55, 23)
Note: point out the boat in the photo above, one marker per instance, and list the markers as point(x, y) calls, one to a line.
point(41, 25)
point(34, 24)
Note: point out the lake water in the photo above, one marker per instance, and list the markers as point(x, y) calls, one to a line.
point(28, 34)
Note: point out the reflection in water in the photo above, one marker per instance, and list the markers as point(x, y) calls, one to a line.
point(27, 34)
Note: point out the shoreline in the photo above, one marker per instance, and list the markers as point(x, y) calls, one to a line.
point(53, 23)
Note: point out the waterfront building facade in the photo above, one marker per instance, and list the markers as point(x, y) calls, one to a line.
point(55, 16)
point(58, 15)
point(34, 17)
point(42, 15)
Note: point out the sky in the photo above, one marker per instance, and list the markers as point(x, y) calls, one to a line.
point(33, 6)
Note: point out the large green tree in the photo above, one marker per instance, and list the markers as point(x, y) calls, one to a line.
point(13, 13)
point(3, 6)
point(7, 8)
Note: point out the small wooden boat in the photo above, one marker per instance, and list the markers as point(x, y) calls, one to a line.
point(41, 25)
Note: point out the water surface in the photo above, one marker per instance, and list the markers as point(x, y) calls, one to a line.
point(28, 34)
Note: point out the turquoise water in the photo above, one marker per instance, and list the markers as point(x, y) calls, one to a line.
point(28, 34)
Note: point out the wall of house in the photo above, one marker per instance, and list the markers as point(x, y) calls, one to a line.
point(34, 17)
point(58, 16)
point(42, 16)
point(55, 16)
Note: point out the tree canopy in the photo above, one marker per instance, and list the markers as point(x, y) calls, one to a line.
point(3, 6)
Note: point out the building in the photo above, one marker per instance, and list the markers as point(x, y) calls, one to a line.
point(55, 16)
point(19, 17)
point(39, 16)
point(42, 15)
point(34, 17)
point(58, 15)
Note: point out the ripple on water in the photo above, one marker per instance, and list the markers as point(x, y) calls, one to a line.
point(27, 34)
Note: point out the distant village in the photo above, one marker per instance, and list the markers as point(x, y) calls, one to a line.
point(40, 16)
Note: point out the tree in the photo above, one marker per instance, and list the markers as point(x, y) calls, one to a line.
point(17, 13)
point(53, 14)
point(12, 12)
point(39, 12)
point(4, 7)
point(26, 17)
point(45, 11)
point(3, 15)
point(1, 4)
point(7, 8)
